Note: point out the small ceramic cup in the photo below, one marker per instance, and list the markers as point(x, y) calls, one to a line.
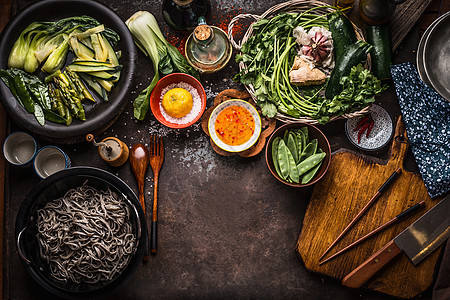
point(19, 148)
point(49, 160)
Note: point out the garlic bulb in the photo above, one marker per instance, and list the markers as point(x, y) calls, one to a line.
point(316, 45)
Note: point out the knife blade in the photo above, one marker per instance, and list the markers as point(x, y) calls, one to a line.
point(417, 241)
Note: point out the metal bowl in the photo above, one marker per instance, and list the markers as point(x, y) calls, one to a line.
point(436, 55)
point(99, 115)
point(53, 187)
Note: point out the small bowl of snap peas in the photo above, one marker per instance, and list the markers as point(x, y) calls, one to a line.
point(298, 154)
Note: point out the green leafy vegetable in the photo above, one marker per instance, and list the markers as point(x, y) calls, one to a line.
point(269, 54)
point(164, 56)
point(359, 89)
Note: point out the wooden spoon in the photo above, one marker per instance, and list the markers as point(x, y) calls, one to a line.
point(139, 160)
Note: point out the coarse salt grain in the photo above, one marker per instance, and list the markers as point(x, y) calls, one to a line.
point(196, 103)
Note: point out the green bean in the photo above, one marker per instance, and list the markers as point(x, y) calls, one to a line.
point(275, 143)
point(310, 163)
point(292, 145)
point(283, 159)
point(309, 150)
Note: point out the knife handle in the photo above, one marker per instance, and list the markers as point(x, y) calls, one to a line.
point(360, 275)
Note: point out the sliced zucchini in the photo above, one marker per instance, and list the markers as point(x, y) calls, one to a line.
point(88, 69)
point(107, 85)
point(100, 53)
point(112, 57)
point(103, 75)
point(92, 63)
point(80, 50)
point(94, 85)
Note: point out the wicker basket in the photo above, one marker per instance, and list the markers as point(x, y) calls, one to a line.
point(293, 6)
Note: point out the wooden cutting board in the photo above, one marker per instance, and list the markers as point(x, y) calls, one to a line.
point(350, 182)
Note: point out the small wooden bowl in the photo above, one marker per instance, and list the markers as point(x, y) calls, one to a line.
point(155, 97)
point(314, 133)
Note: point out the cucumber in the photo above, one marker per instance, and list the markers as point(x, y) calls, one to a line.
point(342, 32)
point(381, 54)
point(354, 54)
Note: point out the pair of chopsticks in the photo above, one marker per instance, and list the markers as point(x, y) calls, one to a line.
point(388, 182)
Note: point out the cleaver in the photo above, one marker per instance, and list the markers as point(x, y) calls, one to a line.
point(417, 241)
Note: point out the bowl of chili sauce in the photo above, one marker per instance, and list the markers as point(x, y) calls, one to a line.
point(234, 125)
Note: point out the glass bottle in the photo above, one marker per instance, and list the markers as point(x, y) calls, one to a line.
point(208, 48)
point(184, 14)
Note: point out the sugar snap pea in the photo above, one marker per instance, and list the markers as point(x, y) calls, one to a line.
point(310, 174)
point(309, 150)
point(8, 79)
point(301, 141)
point(27, 100)
point(292, 145)
point(310, 163)
point(304, 129)
point(286, 136)
point(275, 143)
point(293, 171)
point(283, 159)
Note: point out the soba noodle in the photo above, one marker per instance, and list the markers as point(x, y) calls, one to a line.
point(86, 236)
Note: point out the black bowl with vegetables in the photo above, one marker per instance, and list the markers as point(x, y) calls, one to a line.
point(81, 233)
point(98, 115)
point(298, 154)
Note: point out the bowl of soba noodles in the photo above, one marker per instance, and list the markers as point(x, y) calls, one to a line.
point(81, 233)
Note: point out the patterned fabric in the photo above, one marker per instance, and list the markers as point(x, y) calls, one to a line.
point(427, 120)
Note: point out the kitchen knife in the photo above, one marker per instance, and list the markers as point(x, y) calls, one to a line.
point(417, 241)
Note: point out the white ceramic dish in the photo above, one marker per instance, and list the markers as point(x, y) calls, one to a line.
point(19, 148)
point(213, 134)
point(50, 160)
point(380, 134)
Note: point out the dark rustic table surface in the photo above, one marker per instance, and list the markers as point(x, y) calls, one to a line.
point(227, 227)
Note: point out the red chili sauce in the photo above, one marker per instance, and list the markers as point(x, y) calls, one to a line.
point(235, 125)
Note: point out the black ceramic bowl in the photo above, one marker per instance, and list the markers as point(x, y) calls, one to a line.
point(99, 116)
point(53, 187)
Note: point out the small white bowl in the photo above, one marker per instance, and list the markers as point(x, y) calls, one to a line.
point(379, 136)
point(19, 148)
point(212, 121)
point(49, 160)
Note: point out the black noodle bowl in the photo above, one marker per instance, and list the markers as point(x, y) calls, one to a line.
point(55, 187)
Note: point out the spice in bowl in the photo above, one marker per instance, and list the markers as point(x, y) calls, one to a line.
point(372, 131)
point(180, 103)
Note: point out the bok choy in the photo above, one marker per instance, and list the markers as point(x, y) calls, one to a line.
point(165, 57)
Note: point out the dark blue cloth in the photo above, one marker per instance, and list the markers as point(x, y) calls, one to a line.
point(427, 120)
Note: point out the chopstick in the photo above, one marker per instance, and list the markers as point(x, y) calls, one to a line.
point(380, 191)
point(385, 225)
